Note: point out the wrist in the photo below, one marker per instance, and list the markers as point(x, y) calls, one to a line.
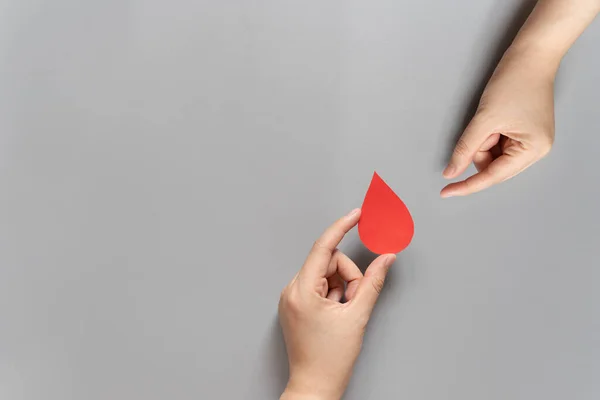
point(531, 61)
point(312, 389)
point(291, 394)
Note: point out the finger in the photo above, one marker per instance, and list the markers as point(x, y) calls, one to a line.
point(343, 266)
point(336, 288)
point(499, 170)
point(318, 259)
point(470, 142)
point(490, 142)
point(482, 160)
point(484, 157)
point(351, 289)
point(371, 285)
point(350, 273)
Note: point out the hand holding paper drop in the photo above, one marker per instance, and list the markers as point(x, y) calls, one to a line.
point(386, 225)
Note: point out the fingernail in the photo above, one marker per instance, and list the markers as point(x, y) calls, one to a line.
point(446, 195)
point(449, 171)
point(353, 213)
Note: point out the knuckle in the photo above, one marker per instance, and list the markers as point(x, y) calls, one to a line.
point(319, 245)
point(462, 148)
point(377, 283)
point(291, 301)
point(471, 185)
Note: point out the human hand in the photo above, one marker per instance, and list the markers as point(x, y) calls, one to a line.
point(323, 336)
point(513, 127)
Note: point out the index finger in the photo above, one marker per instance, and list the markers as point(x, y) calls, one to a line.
point(501, 169)
point(318, 259)
point(471, 141)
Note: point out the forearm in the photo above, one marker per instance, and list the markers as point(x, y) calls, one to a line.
point(552, 28)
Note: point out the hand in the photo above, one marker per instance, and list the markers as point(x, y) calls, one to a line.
point(512, 128)
point(323, 336)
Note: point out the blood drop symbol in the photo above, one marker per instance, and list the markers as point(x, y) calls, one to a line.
point(385, 225)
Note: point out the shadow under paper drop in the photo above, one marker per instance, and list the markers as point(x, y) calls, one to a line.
point(361, 256)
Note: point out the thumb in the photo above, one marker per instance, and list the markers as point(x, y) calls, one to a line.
point(371, 284)
point(472, 139)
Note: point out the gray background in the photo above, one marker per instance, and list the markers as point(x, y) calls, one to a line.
point(165, 167)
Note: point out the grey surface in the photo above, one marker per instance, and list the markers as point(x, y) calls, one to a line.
point(165, 166)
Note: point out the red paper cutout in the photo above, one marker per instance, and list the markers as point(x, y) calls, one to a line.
point(385, 224)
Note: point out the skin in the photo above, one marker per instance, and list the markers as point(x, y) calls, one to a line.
point(323, 336)
point(514, 124)
point(511, 130)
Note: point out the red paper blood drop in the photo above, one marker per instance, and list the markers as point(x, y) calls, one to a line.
point(385, 224)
